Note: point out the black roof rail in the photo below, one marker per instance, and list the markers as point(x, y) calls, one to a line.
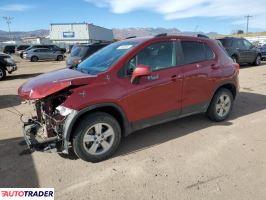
point(161, 35)
point(203, 36)
point(131, 37)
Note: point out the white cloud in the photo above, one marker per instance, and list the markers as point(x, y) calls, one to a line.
point(15, 7)
point(174, 9)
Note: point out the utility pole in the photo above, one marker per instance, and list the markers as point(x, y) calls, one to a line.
point(8, 21)
point(248, 16)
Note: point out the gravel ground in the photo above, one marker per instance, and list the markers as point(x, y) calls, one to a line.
point(191, 158)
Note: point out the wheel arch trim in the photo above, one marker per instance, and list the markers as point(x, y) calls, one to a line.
point(72, 119)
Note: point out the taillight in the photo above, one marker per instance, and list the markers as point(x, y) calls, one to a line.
point(77, 61)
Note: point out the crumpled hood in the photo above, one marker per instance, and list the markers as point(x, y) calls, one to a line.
point(49, 83)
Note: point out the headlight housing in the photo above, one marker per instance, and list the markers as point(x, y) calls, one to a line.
point(64, 111)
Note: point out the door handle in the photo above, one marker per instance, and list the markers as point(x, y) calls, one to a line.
point(214, 66)
point(174, 77)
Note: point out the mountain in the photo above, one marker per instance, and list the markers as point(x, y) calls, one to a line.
point(118, 33)
point(4, 35)
point(127, 32)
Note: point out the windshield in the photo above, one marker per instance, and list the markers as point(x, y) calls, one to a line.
point(103, 59)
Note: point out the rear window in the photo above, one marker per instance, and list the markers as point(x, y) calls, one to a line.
point(226, 42)
point(78, 51)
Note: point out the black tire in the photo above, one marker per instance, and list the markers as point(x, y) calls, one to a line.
point(87, 124)
point(212, 111)
point(257, 61)
point(2, 73)
point(235, 58)
point(60, 58)
point(34, 59)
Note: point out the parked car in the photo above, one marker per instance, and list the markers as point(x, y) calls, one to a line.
point(20, 49)
point(81, 51)
point(7, 64)
point(43, 54)
point(241, 50)
point(51, 47)
point(263, 52)
point(127, 86)
point(9, 49)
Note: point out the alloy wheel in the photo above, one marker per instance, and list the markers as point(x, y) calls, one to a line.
point(98, 139)
point(258, 60)
point(223, 105)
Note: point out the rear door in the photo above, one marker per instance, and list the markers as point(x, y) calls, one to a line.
point(199, 60)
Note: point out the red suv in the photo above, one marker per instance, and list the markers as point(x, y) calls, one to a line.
point(127, 86)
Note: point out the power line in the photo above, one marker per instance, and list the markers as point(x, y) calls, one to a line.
point(248, 16)
point(8, 20)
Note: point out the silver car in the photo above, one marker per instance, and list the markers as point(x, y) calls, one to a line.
point(43, 54)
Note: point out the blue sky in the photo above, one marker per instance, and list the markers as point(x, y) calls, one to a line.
point(220, 16)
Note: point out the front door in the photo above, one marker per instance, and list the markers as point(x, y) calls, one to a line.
point(156, 97)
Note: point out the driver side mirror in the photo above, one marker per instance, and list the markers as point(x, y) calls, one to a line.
point(139, 71)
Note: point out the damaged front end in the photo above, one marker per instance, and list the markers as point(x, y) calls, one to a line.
point(45, 131)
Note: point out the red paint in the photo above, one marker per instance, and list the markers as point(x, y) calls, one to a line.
point(176, 87)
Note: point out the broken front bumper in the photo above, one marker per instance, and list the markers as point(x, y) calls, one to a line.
point(35, 142)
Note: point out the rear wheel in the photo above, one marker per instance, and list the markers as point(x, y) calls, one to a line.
point(97, 137)
point(221, 105)
point(60, 58)
point(2, 73)
point(257, 61)
point(34, 59)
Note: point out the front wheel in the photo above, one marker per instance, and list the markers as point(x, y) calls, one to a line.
point(34, 59)
point(221, 105)
point(2, 73)
point(97, 137)
point(59, 58)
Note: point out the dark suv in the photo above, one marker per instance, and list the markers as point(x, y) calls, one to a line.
point(7, 64)
point(9, 49)
point(127, 86)
point(241, 50)
point(82, 51)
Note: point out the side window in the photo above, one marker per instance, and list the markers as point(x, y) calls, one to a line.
point(239, 44)
point(193, 51)
point(209, 55)
point(158, 56)
point(247, 44)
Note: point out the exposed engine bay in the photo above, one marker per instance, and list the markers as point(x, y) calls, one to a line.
point(44, 131)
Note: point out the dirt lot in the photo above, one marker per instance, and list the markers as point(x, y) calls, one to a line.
point(191, 158)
